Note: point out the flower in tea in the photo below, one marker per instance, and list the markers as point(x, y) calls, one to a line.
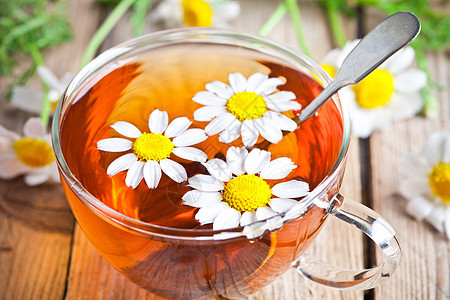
point(390, 93)
point(247, 107)
point(30, 100)
point(175, 13)
point(30, 155)
point(151, 151)
point(428, 185)
point(237, 191)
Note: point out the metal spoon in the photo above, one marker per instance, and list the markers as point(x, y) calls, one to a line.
point(383, 41)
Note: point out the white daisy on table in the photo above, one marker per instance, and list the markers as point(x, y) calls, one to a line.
point(236, 192)
point(427, 187)
point(175, 13)
point(390, 93)
point(151, 151)
point(30, 155)
point(247, 107)
point(30, 100)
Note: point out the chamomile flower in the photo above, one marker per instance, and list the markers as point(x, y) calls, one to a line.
point(151, 151)
point(30, 155)
point(427, 187)
point(175, 13)
point(390, 93)
point(247, 107)
point(30, 100)
point(236, 192)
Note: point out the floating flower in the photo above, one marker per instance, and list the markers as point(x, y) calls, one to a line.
point(150, 152)
point(428, 185)
point(390, 93)
point(30, 155)
point(247, 107)
point(30, 100)
point(175, 13)
point(236, 191)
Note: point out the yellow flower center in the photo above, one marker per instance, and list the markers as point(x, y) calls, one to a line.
point(197, 13)
point(33, 152)
point(152, 146)
point(330, 70)
point(375, 90)
point(247, 193)
point(246, 106)
point(440, 181)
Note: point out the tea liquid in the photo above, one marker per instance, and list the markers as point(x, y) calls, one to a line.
point(167, 80)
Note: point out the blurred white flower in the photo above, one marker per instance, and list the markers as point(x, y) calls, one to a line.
point(30, 100)
point(176, 13)
point(390, 93)
point(30, 155)
point(427, 187)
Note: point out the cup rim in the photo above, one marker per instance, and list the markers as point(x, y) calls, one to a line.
point(143, 228)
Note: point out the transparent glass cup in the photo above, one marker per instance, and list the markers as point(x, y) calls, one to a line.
point(196, 264)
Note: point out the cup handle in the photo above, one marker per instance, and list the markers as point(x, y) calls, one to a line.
point(374, 226)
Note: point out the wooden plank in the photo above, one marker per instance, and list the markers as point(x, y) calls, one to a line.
point(36, 224)
point(424, 270)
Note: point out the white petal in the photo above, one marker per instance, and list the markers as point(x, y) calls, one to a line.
point(227, 10)
point(158, 121)
point(121, 163)
point(282, 205)
point(11, 168)
point(221, 89)
point(152, 173)
point(27, 99)
point(134, 174)
point(177, 127)
point(49, 78)
point(273, 219)
point(446, 150)
point(207, 214)
point(281, 96)
point(208, 98)
point(247, 218)
point(54, 173)
point(34, 128)
point(403, 106)
point(251, 225)
point(126, 129)
point(268, 86)
point(249, 133)
point(205, 183)
point(256, 160)
point(434, 148)
point(447, 223)
point(410, 81)
point(237, 82)
point(419, 207)
point(291, 189)
point(437, 218)
point(283, 106)
point(114, 145)
point(226, 219)
point(268, 130)
point(400, 60)
point(255, 80)
point(36, 178)
point(235, 159)
point(218, 169)
point(413, 166)
point(201, 199)
point(190, 153)
point(207, 113)
point(415, 187)
point(231, 133)
point(278, 168)
point(174, 170)
point(8, 135)
point(190, 137)
point(219, 124)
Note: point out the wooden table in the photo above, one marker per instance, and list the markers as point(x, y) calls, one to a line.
point(45, 255)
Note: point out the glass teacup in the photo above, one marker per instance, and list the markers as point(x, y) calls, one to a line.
point(180, 262)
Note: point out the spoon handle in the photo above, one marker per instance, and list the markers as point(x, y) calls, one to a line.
point(388, 37)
